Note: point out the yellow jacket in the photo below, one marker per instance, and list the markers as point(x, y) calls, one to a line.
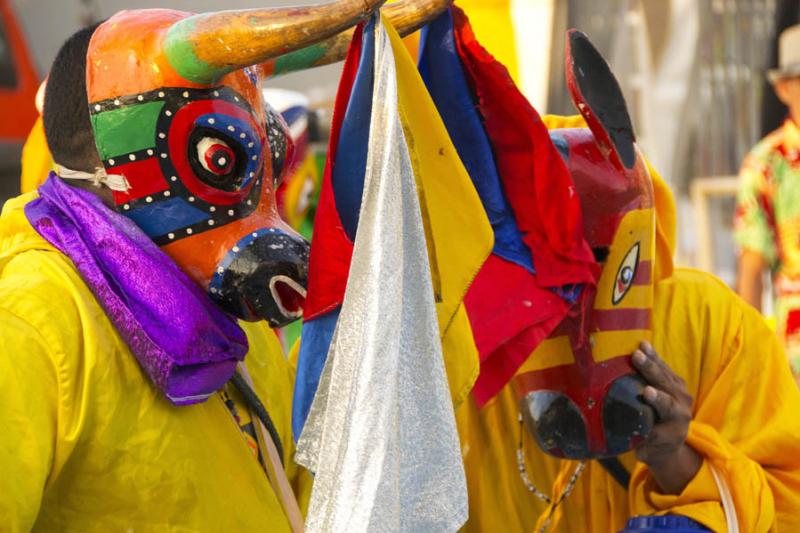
point(746, 422)
point(87, 443)
point(36, 159)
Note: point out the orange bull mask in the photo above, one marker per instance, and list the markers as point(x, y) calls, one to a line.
point(579, 395)
point(176, 109)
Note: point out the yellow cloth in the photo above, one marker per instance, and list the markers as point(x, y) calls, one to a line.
point(36, 160)
point(745, 421)
point(88, 444)
point(493, 24)
point(300, 190)
point(458, 241)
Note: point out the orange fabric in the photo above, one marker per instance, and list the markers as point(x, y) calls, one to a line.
point(19, 112)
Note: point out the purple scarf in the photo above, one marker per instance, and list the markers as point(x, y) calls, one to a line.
point(185, 343)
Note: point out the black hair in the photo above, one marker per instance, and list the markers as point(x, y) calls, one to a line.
point(67, 125)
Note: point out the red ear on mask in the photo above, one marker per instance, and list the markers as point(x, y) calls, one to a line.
point(598, 97)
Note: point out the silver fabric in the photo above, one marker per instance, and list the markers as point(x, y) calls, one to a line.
point(381, 434)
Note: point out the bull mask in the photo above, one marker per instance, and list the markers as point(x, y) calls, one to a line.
point(579, 395)
point(176, 108)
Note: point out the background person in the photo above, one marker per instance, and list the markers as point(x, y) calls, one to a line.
point(767, 220)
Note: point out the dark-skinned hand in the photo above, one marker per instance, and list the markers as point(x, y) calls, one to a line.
point(671, 461)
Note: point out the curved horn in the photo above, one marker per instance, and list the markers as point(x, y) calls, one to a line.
point(407, 17)
point(203, 48)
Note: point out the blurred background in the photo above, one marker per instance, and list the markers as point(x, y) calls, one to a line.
point(693, 72)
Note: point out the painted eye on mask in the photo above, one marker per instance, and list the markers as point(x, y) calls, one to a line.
point(216, 156)
point(626, 274)
point(216, 160)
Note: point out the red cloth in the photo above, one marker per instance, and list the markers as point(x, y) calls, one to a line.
point(332, 250)
point(510, 310)
point(510, 315)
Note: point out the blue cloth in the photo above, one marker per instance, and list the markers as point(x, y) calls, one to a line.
point(444, 77)
point(673, 523)
point(350, 162)
point(441, 70)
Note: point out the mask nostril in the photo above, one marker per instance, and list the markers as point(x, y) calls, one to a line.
point(626, 418)
point(289, 295)
point(263, 277)
point(556, 423)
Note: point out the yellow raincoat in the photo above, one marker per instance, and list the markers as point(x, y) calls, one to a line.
point(88, 444)
point(746, 421)
point(36, 159)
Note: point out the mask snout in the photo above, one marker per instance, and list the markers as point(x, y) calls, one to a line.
point(264, 277)
point(627, 420)
point(556, 423)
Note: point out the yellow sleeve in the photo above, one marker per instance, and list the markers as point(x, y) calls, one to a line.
point(28, 421)
point(745, 425)
point(36, 159)
point(555, 122)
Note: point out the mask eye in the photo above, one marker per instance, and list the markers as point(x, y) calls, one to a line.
point(217, 160)
point(216, 156)
point(626, 274)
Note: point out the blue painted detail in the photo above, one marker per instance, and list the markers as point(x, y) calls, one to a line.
point(444, 76)
point(252, 75)
point(315, 341)
point(219, 272)
point(350, 161)
point(561, 144)
point(165, 216)
point(221, 123)
point(293, 114)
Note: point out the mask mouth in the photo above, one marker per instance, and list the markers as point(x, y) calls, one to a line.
point(289, 296)
point(264, 277)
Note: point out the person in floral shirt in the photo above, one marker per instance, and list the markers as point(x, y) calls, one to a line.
point(767, 220)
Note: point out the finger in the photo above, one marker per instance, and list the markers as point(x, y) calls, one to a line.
point(651, 371)
point(663, 403)
point(652, 354)
point(669, 381)
point(648, 349)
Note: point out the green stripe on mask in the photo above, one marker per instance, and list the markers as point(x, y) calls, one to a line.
point(127, 129)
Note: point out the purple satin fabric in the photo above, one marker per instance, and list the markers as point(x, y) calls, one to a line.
point(187, 345)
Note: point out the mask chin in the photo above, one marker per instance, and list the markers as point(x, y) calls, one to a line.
point(263, 277)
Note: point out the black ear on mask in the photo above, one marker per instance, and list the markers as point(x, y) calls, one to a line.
point(598, 97)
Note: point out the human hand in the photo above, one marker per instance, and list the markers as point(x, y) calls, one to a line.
point(671, 461)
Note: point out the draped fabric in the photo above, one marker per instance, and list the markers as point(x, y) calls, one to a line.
point(457, 233)
point(381, 434)
point(540, 260)
point(186, 344)
point(329, 261)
